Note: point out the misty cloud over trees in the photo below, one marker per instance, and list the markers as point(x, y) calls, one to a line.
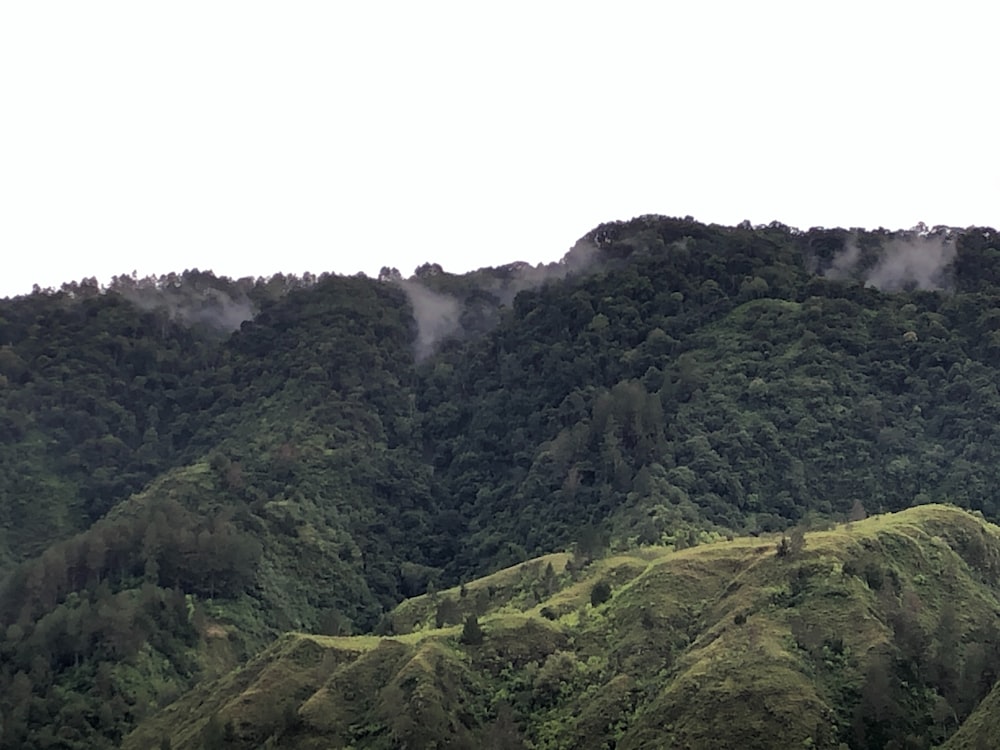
point(169, 479)
point(916, 260)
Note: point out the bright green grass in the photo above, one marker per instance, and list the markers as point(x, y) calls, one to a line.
point(722, 645)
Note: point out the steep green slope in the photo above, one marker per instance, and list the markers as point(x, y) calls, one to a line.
point(876, 631)
point(185, 475)
point(88, 390)
point(102, 388)
point(295, 501)
point(703, 376)
point(981, 729)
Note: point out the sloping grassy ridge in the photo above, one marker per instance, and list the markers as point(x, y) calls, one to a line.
point(878, 632)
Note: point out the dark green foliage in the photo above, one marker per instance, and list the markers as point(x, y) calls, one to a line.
point(616, 413)
point(873, 576)
point(858, 512)
point(784, 547)
point(690, 652)
point(270, 455)
point(472, 632)
point(448, 613)
point(600, 593)
point(503, 733)
point(214, 736)
point(791, 544)
point(591, 543)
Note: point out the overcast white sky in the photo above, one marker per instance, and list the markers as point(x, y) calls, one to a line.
point(249, 138)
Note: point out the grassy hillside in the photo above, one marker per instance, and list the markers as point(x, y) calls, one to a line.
point(191, 466)
point(878, 631)
point(981, 729)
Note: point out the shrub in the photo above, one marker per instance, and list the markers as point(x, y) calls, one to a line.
point(472, 633)
point(600, 593)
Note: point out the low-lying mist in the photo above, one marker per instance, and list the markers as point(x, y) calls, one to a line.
point(912, 262)
point(439, 314)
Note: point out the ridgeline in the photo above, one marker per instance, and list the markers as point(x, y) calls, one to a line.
point(869, 633)
point(192, 466)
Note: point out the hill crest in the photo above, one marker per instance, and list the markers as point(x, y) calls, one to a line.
point(792, 648)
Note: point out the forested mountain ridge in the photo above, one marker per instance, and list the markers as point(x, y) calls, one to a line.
point(353, 441)
point(877, 633)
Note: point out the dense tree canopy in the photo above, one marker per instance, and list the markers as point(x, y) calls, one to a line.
point(190, 452)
